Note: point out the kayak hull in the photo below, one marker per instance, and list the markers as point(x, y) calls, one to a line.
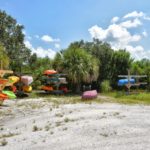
point(89, 94)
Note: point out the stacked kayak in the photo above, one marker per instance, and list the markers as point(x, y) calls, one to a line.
point(54, 82)
point(7, 83)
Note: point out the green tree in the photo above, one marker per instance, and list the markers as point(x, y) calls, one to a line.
point(121, 62)
point(12, 38)
point(79, 65)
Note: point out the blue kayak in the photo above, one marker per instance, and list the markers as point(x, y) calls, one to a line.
point(122, 82)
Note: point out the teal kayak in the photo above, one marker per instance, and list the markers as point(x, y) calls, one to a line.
point(10, 94)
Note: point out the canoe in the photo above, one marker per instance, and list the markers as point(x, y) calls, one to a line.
point(10, 94)
point(3, 96)
point(27, 79)
point(3, 81)
point(122, 82)
point(27, 88)
point(49, 72)
point(89, 94)
point(13, 79)
point(47, 88)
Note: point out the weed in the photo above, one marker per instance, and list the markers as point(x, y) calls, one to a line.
point(66, 119)
point(51, 132)
point(47, 128)
point(58, 123)
point(65, 128)
point(104, 134)
point(59, 115)
point(116, 113)
point(8, 135)
point(4, 142)
point(35, 128)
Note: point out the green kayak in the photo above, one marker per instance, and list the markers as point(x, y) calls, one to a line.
point(10, 94)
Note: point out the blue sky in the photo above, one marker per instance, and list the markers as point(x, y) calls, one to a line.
point(51, 25)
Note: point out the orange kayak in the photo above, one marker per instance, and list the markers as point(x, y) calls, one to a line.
point(47, 88)
point(3, 81)
point(3, 96)
point(48, 72)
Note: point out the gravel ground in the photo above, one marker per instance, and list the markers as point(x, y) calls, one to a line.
point(35, 124)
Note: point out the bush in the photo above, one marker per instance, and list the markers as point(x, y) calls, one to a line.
point(105, 86)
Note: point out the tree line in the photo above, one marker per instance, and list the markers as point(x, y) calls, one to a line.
point(84, 62)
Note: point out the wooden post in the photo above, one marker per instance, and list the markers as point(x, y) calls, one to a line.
point(129, 81)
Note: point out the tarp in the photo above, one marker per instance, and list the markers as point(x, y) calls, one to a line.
point(27, 80)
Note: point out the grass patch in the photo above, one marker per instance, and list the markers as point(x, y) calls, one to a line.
point(123, 98)
point(7, 135)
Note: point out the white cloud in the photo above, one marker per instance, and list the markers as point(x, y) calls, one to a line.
point(117, 35)
point(28, 44)
point(131, 24)
point(134, 14)
point(144, 33)
point(120, 37)
point(138, 52)
point(41, 52)
point(24, 32)
point(114, 19)
point(57, 46)
point(47, 38)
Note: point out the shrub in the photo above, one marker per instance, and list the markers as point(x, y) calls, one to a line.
point(105, 86)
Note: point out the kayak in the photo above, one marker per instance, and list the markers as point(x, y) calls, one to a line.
point(3, 96)
point(3, 81)
point(27, 88)
point(10, 94)
point(122, 82)
point(13, 79)
point(48, 72)
point(89, 94)
point(27, 79)
point(47, 88)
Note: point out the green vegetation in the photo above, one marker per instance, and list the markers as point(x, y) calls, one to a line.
point(105, 86)
point(84, 62)
point(135, 98)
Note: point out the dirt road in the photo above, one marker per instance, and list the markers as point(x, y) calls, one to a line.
point(41, 125)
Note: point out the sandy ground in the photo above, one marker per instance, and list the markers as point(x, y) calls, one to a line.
point(35, 124)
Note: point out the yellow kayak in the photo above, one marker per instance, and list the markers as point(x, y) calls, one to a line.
point(27, 88)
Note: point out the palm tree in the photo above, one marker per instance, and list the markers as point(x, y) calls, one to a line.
point(80, 66)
